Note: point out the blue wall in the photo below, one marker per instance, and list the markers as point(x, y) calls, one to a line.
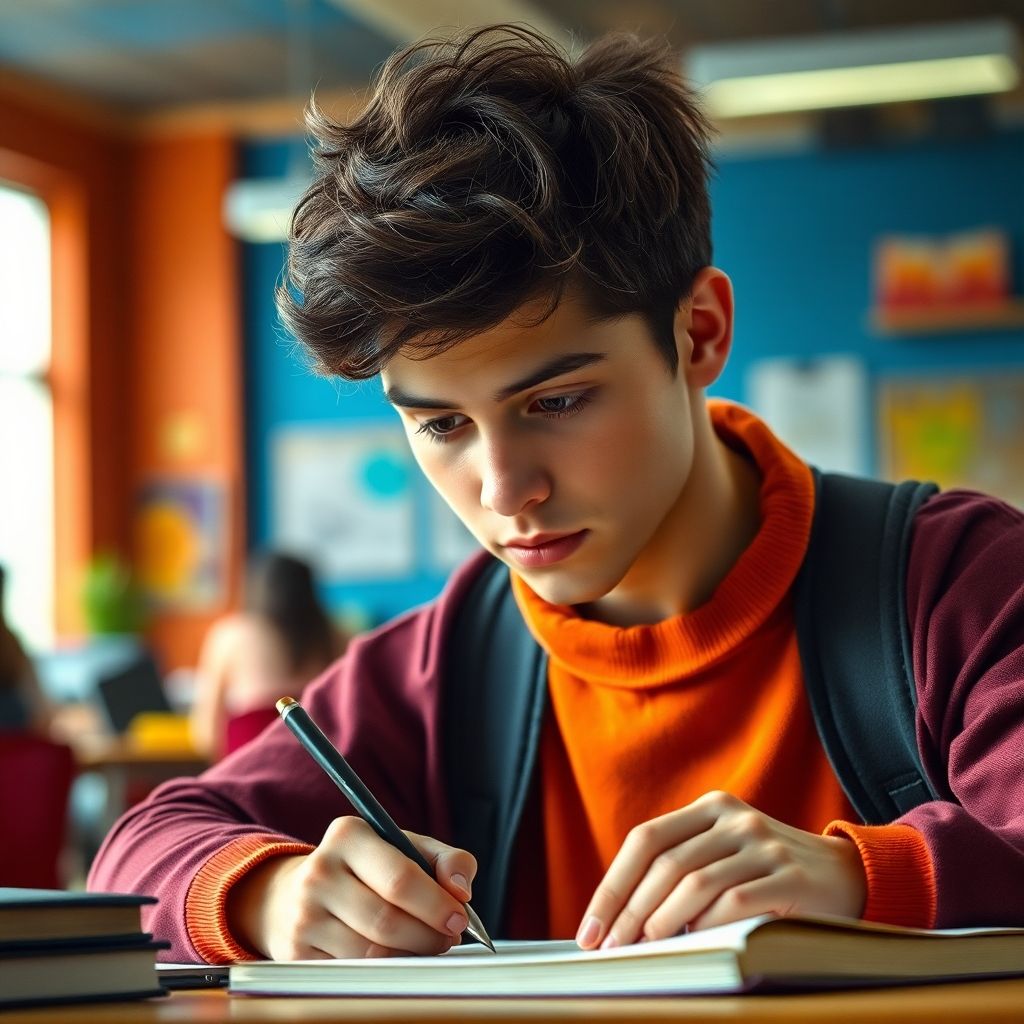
point(281, 391)
point(795, 232)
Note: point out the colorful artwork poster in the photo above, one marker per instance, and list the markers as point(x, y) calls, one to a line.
point(343, 499)
point(965, 431)
point(181, 543)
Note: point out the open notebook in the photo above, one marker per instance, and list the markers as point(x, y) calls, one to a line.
point(762, 952)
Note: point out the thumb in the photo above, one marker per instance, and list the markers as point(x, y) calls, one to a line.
point(454, 868)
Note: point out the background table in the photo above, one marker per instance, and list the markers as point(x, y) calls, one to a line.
point(123, 765)
point(973, 1003)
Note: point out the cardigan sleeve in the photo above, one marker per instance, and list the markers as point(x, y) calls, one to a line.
point(378, 704)
point(965, 604)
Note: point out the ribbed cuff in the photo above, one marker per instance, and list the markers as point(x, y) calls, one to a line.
point(899, 872)
point(206, 899)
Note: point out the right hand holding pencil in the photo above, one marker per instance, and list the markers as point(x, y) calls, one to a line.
point(355, 895)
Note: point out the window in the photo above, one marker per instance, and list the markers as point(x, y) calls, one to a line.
point(26, 416)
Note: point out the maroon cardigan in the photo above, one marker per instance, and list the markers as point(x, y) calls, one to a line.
point(379, 704)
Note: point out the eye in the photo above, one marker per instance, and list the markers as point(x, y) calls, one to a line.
point(438, 429)
point(557, 406)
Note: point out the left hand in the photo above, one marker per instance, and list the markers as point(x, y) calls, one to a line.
point(714, 861)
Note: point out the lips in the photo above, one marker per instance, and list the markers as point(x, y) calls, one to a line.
point(543, 548)
point(536, 541)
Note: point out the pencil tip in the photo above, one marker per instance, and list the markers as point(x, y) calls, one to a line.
point(285, 703)
point(476, 929)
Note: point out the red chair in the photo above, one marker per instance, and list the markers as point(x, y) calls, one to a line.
point(247, 726)
point(36, 779)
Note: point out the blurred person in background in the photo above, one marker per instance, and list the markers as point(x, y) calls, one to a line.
point(23, 706)
point(277, 643)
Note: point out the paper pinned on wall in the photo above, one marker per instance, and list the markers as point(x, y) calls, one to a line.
point(343, 498)
point(817, 407)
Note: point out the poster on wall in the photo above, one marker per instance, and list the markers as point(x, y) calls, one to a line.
point(962, 431)
point(343, 499)
point(818, 407)
point(181, 543)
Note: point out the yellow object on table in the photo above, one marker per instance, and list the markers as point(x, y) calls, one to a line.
point(161, 731)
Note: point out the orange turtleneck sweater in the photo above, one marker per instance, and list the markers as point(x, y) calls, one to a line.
point(646, 719)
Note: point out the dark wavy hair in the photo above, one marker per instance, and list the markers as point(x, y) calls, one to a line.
point(282, 589)
point(489, 170)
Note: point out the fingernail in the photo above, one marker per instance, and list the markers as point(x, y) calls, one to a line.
point(456, 924)
point(589, 933)
point(609, 941)
point(460, 881)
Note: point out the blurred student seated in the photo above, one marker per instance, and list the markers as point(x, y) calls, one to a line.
point(33, 812)
point(23, 706)
point(280, 641)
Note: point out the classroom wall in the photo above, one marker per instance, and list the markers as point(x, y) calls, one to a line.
point(281, 391)
point(185, 368)
point(146, 350)
point(794, 231)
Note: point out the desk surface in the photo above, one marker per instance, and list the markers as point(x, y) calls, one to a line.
point(116, 752)
point(96, 748)
point(976, 1003)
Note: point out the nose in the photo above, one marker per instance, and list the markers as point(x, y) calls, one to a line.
point(512, 476)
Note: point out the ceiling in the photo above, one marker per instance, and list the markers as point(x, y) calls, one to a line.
point(143, 57)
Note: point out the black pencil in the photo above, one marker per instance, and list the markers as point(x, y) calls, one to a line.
point(320, 748)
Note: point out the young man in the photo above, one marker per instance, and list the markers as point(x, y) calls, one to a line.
point(519, 245)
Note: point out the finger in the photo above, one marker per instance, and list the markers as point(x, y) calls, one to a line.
point(632, 862)
point(376, 921)
point(769, 894)
point(703, 888)
point(393, 877)
point(669, 872)
point(454, 868)
point(335, 940)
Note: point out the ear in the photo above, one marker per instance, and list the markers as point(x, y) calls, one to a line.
point(703, 328)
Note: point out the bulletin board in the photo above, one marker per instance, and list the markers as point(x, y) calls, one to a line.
point(959, 431)
point(343, 499)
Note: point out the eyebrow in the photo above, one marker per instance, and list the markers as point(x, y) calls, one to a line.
point(553, 368)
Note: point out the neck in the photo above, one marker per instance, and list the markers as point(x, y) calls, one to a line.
point(711, 525)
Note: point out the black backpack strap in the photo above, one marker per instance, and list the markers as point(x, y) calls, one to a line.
point(855, 642)
point(495, 688)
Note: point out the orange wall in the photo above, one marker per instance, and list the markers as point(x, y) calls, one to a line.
point(146, 332)
point(186, 368)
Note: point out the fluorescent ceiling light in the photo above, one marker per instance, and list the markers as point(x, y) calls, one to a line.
point(854, 87)
point(855, 68)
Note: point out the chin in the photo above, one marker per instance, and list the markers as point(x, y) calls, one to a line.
point(565, 589)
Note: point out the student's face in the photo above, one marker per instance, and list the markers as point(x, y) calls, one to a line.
point(562, 446)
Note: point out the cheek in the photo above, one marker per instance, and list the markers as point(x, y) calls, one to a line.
point(448, 475)
point(634, 445)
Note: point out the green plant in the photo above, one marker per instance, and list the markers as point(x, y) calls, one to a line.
point(111, 600)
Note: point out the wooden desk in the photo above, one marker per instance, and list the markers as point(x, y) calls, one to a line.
point(123, 764)
point(974, 1003)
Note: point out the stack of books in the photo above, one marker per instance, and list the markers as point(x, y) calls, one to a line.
point(64, 947)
